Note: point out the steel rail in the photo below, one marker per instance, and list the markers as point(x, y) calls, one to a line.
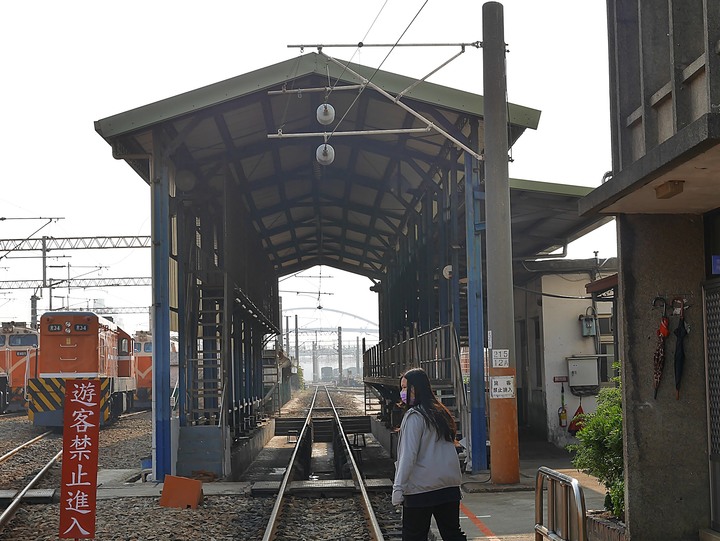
point(133, 413)
point(22, 446)
point(10, 511)
point(375, 531)
point(374, 526)
point(273, 522)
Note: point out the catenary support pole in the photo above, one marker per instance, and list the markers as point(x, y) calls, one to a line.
point(504, 454)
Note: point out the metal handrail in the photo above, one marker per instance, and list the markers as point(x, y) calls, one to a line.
point(460, 388)
point(222, 406)
point(571, 520)
point(175, 395)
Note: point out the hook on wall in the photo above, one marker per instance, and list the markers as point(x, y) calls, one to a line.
point(662, 300)
point(678, 306)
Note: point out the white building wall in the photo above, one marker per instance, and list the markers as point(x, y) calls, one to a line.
point(562, 338)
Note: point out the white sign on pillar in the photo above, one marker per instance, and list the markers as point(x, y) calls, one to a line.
point(501, 358)
point(502, 387)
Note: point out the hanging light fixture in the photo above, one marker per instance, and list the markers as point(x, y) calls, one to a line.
point(325, 154)
point(325, 114)
point(185, 180)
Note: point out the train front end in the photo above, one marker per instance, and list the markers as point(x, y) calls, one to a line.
point(80, 345)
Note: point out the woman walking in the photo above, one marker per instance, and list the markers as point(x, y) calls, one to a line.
point(427, 471)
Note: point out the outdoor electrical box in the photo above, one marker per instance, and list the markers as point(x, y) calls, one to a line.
point(583, 375)
point(589, 328)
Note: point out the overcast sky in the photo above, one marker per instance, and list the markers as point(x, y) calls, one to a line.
point(68, 64)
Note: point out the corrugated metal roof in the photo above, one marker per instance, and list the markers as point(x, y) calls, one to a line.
point(350, 214)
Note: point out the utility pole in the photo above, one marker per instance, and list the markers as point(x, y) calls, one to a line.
point(340, 359)
point(315, 363)
point(357, 356)
point(505, 461)
point(297, 346)
point(287, 336)
point(34, 311)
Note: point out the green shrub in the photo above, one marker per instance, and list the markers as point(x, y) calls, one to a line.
point(600, 448)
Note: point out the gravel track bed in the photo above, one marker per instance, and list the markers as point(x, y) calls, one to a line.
point(18, 470)
point(388, 516)
point(16, 430)
point(219, 518)
point(122, 446)
point(348, 402)
point(126, 442)
point(322, 519)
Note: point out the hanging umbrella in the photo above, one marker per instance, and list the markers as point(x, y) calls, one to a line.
point(659, 357)
point(578, 420)
point(680, 332)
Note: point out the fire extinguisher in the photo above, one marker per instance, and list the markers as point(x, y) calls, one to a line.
point(562, 412)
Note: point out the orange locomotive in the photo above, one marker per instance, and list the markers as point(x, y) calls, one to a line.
point(18, 348)
point(143, 367)
point(81, 345)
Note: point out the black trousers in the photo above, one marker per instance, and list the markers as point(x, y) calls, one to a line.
point(416, 522)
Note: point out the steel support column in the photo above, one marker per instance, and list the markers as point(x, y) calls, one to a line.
point(160, 217)
point(455, 316)
point(473, 229)
point(443, 248)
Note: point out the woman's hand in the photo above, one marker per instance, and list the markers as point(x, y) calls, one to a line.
point(397, 497)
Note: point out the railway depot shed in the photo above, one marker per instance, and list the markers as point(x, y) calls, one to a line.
point(244, 192)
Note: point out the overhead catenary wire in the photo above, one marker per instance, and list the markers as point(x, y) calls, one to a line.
point(392, 48)
point(287, 102)
point(332, 87)
point(357, 97)
point(49, 221)
point(327, 152)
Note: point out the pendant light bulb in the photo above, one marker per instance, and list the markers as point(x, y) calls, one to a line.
point(325, 154)
point(325, 114)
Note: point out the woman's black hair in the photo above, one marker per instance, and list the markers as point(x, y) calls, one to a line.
point(433, 411)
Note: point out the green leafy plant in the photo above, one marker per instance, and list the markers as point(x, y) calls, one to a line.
point(600, 448)
point(301, 377)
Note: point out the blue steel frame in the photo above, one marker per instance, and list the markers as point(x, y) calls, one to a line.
point(476, 325)
point(160, 209)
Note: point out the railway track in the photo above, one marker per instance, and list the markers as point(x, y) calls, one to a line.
point(27, 466)
point(30, 459)
point(338, 500)
point(16, 429)
point(26, 459)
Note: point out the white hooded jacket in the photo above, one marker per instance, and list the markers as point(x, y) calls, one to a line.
point(424, 462)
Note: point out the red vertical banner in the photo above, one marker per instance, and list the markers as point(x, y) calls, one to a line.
point(81, 437)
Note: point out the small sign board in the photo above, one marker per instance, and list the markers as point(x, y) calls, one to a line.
point(81, 436)
point(560, 379)
point(716, 264)
point(501, 358)
point(502, 387)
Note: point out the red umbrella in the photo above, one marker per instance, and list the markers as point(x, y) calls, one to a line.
point(659, 357)
point(578, 420)
point(680, 332)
